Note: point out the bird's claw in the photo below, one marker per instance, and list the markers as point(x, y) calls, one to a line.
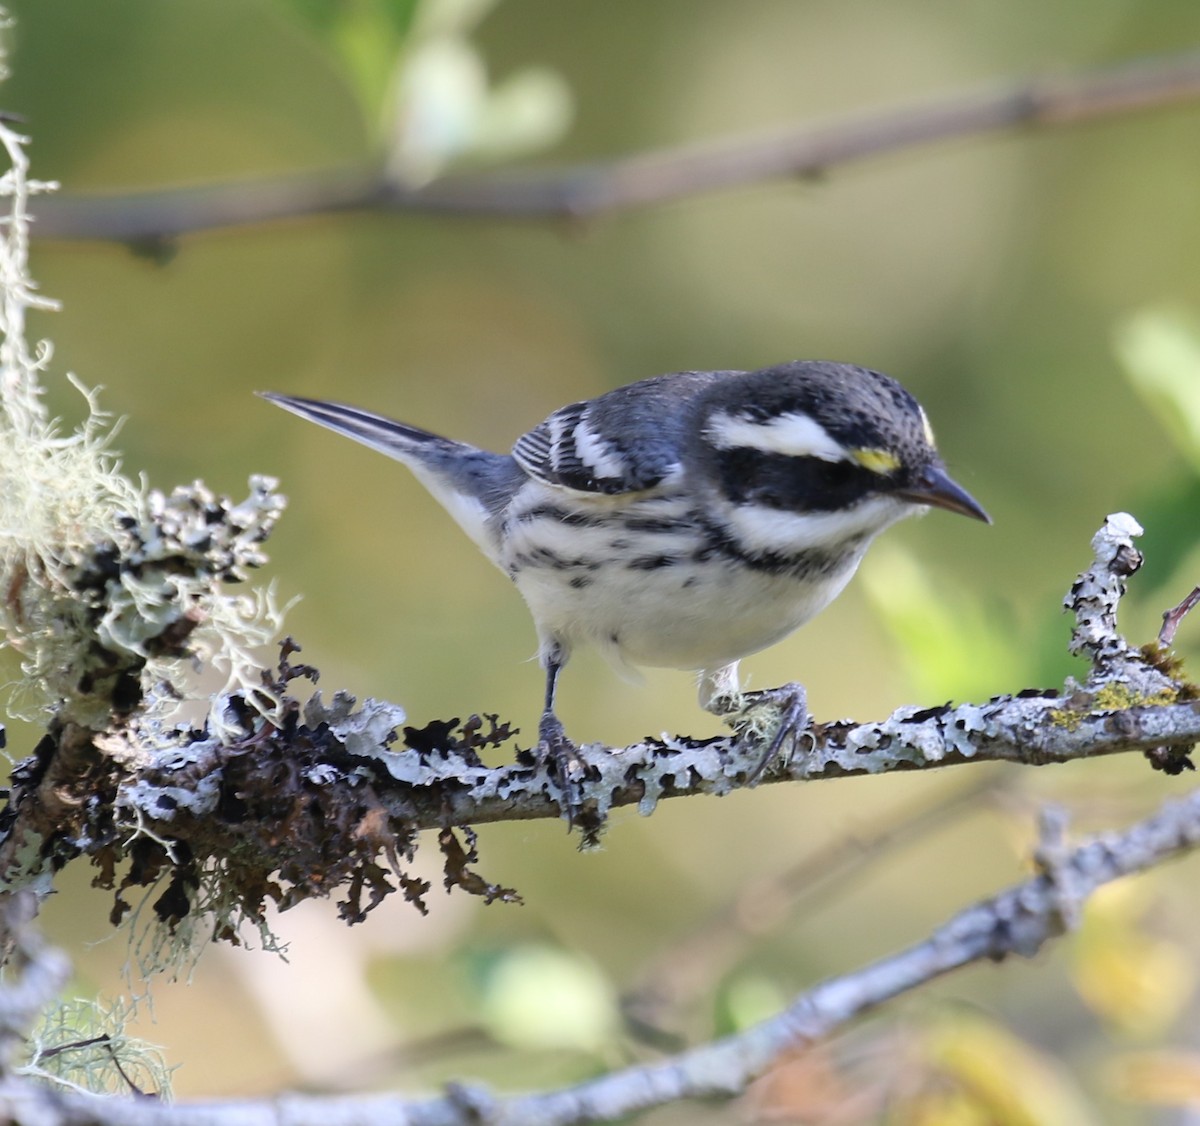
point(557, 752)
point(774, 717)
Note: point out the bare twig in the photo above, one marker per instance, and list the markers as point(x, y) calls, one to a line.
point(1173, 617)
point(598, 188)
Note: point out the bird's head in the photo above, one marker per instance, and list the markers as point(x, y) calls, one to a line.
point(813, 452)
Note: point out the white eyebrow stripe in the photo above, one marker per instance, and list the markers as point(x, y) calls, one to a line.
point(796, 435)
point(927, 427)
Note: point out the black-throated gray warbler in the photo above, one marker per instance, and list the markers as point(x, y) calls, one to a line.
point(684, 521)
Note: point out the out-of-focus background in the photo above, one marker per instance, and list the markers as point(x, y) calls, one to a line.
point(1037, 292)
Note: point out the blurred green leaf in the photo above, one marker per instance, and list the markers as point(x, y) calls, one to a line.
point(452, 17)
point(953, 648)
point(443, 109)
point(1160, 1078)
point(540, 997)
point(1047, 659)
point(1160, 350)
point(424, 87)
point(367, 36)
point(326, 14)
point(988, 1075)
point(1169, 515)
point(746, 1000)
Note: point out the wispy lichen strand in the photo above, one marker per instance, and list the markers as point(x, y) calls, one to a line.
point(110, 593)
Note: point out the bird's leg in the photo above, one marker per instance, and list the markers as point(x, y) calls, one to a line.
point(771, 717)
point(786, 708)
point(554, 748)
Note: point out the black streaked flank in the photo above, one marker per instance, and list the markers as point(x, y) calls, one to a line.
point(567, 516)
point(546, 557)
point(661, 524)
point(652, 562)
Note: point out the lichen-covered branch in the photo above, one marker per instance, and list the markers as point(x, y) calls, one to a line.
point(151, 219)
point(1018, 921)
point(329, 798)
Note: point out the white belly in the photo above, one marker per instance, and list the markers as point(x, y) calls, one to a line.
point(682, 617)
point(599, 582)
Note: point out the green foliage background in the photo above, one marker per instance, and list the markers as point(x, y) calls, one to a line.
point(1002, 279)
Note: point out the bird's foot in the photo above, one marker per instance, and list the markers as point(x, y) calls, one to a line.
point(557, 752)
point(767, 721)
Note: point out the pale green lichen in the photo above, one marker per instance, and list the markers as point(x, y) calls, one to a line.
point(173, 951)
point(83, 1046)
point(1114, 696)
point(101, 578)
point(113, 597)
point(1067, 719)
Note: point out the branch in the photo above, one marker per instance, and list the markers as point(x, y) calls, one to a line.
point(318, 801)
point(594, 189)
point(1017, 921)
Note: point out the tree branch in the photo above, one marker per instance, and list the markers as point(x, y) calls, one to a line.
point(598, 188)
point(321, 802)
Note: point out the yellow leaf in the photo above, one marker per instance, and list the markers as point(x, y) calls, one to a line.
point(988, 1075)
point(1159, 1078)
point(1137, 982)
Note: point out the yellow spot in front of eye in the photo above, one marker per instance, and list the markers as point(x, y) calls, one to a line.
point(877, 461)
point(927, 428)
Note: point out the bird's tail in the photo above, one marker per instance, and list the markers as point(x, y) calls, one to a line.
point(473, 485)
point(396, 439)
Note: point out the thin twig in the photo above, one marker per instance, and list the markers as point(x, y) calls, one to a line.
point(1172, 618)
point(598, 188)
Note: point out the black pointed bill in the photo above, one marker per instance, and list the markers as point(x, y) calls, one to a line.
point(934, 486)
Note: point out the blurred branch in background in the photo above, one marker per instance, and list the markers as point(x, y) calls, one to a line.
point(679, 973)
point(1018, 921)
point(149, 219)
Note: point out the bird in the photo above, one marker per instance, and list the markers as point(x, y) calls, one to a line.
point(683, 521)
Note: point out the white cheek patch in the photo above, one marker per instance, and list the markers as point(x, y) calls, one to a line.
point(795, 435)
point(764, 530)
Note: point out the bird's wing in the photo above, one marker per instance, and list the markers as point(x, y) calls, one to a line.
point(625, 441)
